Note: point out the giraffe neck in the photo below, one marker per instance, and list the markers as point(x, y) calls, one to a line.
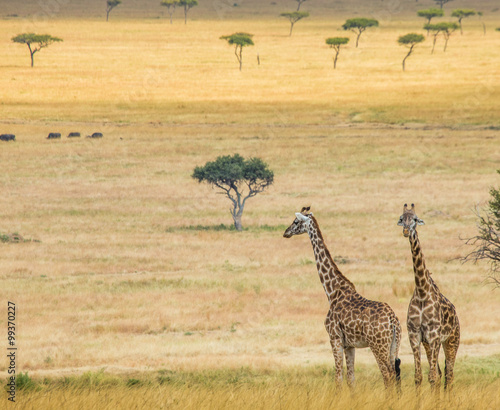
point(422, 276)
point(329, 274)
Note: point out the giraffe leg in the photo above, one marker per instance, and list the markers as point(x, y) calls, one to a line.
point(450, 348)
point(386, 370)
point(415, 347)
point(339, 360)
point(429, 357)
point(434, 378)
point(349, 354)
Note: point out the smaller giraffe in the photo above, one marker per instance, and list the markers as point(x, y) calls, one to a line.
point(432, 319)
point(352, 321)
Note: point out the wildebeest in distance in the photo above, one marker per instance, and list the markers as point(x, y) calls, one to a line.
point(7, 137)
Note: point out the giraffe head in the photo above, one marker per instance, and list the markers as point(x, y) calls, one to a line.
point(299, 225)
point(409, 220)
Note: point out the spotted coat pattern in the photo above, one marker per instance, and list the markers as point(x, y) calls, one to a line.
point(352, 321)
point(432, 319)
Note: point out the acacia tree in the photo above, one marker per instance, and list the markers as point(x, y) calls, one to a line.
point(170, 5)
point(188, 5)
point(487, 241)
point(445, 28)
point(435, 33)
point(237, 178)
point(35, 42)
point(239, 40)
point(335, 43)
point(294, 16)
point(429, 14)
point(481, 14)
point(358, 25)
point(461, 14)
point(300, 3)
point(441, 3)
point(110, 5)
point(410, 40)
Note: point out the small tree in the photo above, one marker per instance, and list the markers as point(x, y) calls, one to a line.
point(188, 5)
point(410, 40)
point(335, 43)
point(237, 178)
point(481, 14)
point(35, 42)
point(487, 241)
point(300, 3)
point(429, 14)
point(441, 3)
point(110, 5)
point(239, 40)
point(435, 33)
point(294, 16)
point(170, 5)
point(445, 28)
point(461, 14)
point(359, 25)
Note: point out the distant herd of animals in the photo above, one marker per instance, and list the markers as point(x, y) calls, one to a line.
point(52, 136)
point(356, 322)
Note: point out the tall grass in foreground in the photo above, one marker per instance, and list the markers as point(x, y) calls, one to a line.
point(244, 388)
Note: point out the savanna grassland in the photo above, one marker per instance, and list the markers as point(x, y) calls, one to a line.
point(133, 291)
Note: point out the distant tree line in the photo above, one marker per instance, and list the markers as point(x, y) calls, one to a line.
point(358, 25)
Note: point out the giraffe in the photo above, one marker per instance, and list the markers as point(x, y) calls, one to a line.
point(432, 319)
point(352, 321)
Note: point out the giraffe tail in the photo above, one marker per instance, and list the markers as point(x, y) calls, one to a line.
point(396, 341)
point(397, 365)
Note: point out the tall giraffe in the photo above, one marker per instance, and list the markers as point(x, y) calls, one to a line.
point(352, 321)
point(432, 319)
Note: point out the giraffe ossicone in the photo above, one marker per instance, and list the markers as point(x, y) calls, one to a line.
point(352, 320)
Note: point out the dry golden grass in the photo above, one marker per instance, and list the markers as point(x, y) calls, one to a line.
point(131, 70)
point(128, 272)
point(118, 281)
point(294, 388)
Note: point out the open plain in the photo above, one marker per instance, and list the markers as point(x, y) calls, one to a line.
point(131, 288)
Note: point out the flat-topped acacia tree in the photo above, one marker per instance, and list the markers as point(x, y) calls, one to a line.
point(170, 5)
point(429, 14)
point(480, 15)
point(110, 5)
point(461, 14)
point(237, 178)
point(35, 42)
point(435, 34)
point(335, 43)
point(410, 40)
point(445, 28)
point(239, 40)
point(294, 16)
point(188, 5)
point(358, 25)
